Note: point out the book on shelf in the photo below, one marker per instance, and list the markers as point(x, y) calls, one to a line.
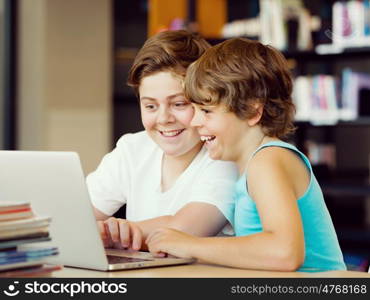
point(302, 98)
point(272, 24)
point(326, 99)
point(352, 84)
point(316, 100)
point(350, 26)
point(367, 17)
point(356, 262)
point(321, 153)
point(285, 25)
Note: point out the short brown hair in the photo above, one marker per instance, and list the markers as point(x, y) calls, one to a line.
point(170, 51)
point(239, 72)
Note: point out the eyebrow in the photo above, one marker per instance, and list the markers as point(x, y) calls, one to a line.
point(205, 105)
point(169, 97)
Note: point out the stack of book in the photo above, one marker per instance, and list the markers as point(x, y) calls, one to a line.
point(19, 227)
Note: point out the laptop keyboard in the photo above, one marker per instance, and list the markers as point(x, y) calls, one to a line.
point(122, 259)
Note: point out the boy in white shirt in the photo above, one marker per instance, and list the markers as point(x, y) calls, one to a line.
point(163, 174)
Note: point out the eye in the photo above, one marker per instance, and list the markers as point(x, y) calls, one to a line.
point(205, 111)
point(149, 107)
point(181, 104)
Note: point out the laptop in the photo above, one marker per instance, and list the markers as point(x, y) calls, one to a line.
point(54, 183)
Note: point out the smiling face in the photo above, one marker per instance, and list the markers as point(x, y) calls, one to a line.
point(221, 130)
point(166, 114)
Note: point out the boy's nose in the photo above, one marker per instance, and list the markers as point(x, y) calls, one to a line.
point(165, 116)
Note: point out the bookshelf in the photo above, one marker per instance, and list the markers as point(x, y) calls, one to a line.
point(346, 182)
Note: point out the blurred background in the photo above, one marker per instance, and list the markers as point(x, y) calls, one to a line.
point(64, 65)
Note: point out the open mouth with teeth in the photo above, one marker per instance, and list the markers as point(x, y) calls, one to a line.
point(207, 138)
point(171, 133)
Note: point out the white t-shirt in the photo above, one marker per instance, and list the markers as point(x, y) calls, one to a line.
point(131, 174)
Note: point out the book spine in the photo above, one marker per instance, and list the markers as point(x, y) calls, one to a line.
point(16, 210)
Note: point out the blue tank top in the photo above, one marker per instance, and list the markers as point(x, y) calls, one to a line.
point(322, 251)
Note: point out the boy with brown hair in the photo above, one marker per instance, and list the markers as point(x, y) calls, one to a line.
point(241, 90)
point(164, 174)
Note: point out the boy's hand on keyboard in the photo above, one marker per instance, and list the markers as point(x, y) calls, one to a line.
point(120, 233)
point(171, 242)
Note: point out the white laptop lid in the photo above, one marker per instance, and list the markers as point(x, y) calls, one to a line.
point(54, 184)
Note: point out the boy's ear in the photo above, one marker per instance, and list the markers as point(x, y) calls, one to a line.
point(257, 117)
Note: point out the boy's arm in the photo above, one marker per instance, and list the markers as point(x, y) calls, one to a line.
point(279, 247)
point(196, 218)
point(259, 251)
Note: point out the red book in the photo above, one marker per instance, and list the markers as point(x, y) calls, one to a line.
point(14, 210)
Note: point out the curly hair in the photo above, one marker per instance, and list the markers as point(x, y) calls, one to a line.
point(240, 72)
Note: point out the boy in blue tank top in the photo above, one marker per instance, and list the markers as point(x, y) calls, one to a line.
point(241, 91)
